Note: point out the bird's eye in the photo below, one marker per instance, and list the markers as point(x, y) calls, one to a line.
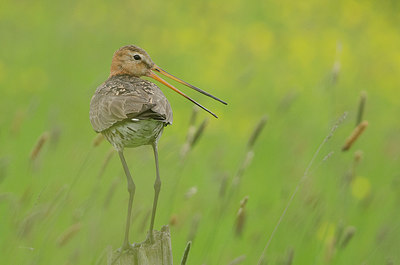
point(137, 57)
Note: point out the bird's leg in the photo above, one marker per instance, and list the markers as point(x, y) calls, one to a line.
point(157, 187)
point(131, 190)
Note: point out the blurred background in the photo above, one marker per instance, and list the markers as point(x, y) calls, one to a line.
point(298, 64)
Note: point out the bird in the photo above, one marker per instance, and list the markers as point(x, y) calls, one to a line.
point(130, 111)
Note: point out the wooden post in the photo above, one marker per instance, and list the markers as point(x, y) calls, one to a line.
point(158, 253)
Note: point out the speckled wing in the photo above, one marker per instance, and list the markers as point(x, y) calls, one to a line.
point(125, 98)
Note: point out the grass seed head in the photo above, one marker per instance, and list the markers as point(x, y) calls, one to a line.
point(256, 132)
point(39, 146)
point(98, 139)
point(361, 107)
point(355, 135)
point(68, 234)
point(199, 132)
point(348, 234)
point(358, 155)
point(241, 217)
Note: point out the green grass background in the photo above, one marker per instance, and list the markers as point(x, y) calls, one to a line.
point(274, 58)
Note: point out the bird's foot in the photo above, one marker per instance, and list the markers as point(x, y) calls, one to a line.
point(126, 247)
point(149, 239)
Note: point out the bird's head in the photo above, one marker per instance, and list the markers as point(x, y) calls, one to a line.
point(131, 60)
point(134, 61)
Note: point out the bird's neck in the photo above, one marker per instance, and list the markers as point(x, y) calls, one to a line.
point(117, 69)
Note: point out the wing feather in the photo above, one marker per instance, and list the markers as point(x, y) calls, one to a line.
point(109, 107)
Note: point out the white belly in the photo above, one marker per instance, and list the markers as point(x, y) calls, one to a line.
point(134, 133)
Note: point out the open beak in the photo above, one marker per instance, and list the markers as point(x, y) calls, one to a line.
point(159, 79)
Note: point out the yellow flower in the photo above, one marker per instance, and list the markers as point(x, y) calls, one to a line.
point(360, 188)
